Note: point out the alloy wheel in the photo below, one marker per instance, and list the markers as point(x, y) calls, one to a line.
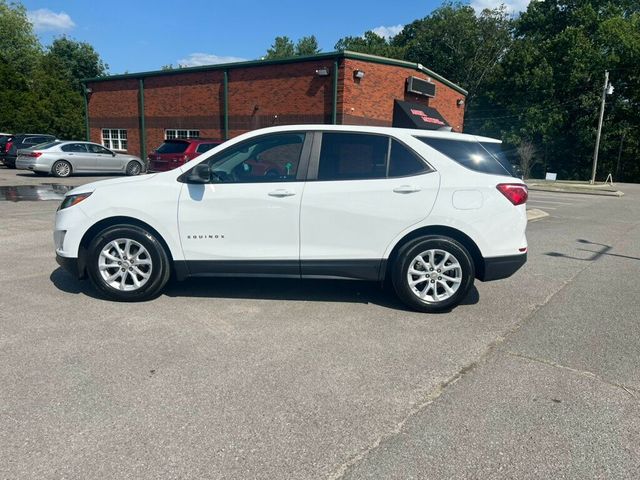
point(125, 264)
point(434, 275)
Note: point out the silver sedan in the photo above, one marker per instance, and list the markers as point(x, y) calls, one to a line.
point(64, 158)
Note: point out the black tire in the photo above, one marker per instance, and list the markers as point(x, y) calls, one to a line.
point(61, 168)
point(160, 269)
point(429, 303)
point(133, 168)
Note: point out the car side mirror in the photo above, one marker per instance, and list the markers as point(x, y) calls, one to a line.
point(113, 154)
point(199, 174)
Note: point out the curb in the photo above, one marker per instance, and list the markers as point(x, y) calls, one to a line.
point(535, 214)
point(616, 193)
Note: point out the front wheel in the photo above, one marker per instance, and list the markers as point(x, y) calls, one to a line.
point(127, 263)
point(433, 273)
point(133, 168)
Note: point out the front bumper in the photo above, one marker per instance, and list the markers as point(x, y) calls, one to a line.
point(497, 268)
point(71, 265)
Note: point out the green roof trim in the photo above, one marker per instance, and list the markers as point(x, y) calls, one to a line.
point(283, 61)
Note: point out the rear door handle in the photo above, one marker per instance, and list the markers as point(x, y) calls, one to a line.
point(407, 189)
point(281, 192)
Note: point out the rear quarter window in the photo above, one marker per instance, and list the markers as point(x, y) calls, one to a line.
point(469, 154)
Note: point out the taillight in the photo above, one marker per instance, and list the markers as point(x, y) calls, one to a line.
point(34, 154)
point(7, 146)
point(516, 193)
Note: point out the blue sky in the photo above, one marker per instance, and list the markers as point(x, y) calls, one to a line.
point(139, 35)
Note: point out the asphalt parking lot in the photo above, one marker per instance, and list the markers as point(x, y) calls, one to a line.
point(537, 376)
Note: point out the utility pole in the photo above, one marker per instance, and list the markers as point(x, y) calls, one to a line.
point(606, 89)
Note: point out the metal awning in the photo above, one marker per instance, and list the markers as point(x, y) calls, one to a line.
point(414, 115)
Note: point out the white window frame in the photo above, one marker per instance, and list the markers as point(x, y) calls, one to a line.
point(115, 139)
point(180, 133)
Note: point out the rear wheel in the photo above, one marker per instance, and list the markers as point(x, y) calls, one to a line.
point(433, 273)
point(133, 168)
point(128, 263)
point(61, 168)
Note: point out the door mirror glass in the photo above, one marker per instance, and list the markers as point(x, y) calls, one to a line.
point(199, 174)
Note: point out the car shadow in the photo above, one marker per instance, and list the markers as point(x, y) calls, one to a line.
point(265, 289)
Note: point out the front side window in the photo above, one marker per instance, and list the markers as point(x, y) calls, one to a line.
point(469, 154)
point(114, 138)
point(272, 158)
point(93, 148)
point(171, 133)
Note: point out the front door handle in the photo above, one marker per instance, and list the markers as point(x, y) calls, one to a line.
point(281, 192)
point(407, 189)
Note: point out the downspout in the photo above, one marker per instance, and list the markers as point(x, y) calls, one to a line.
point(143, 131)
point(225, 105)
point(86, 113)
point(334, 113)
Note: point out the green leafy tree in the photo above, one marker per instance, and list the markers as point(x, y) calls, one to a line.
point(372, 44)
point(307, 46)
point(282, 48)
point(548, 85)
point(457, 43)
point(78, 59)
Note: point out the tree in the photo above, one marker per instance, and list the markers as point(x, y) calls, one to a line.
point(455, 42)
point(307, 46)
point(78, 59)
point(371, 43)
point(548, 84)
point(282, 48)
point(40, 88)
point(526, 152)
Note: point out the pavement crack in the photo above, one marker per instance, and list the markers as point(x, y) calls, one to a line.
point(492, 347)
point(427, 400)
point(583, 373)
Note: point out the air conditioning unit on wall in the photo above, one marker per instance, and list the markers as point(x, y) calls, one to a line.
point(420, 86)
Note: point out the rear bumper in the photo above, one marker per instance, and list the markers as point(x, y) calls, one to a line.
point(496, 268)
point(71, 265)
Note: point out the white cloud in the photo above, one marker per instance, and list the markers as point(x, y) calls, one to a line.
point(387, 32)
point(44, 19)
point(197, 59)
point(513, 6)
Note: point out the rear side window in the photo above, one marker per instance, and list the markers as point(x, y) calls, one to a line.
point(404, 162)
point(358, 156)
point(469, 154)
point(352, 156)
point(172, 147)
point(74, 147)
point(205, 147)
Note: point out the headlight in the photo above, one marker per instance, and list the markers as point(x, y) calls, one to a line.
point(71, 200)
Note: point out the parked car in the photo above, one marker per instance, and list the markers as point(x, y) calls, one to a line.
point(64, 158)
point(4, 137)
point(9, 150)
point(431, 211)
point(176, 152)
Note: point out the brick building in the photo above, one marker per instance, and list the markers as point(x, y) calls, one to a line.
point(136, 112)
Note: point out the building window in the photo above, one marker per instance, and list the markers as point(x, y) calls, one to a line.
point(114, 138)
point(171, 133)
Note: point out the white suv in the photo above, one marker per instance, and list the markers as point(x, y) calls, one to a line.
point(431, 211)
